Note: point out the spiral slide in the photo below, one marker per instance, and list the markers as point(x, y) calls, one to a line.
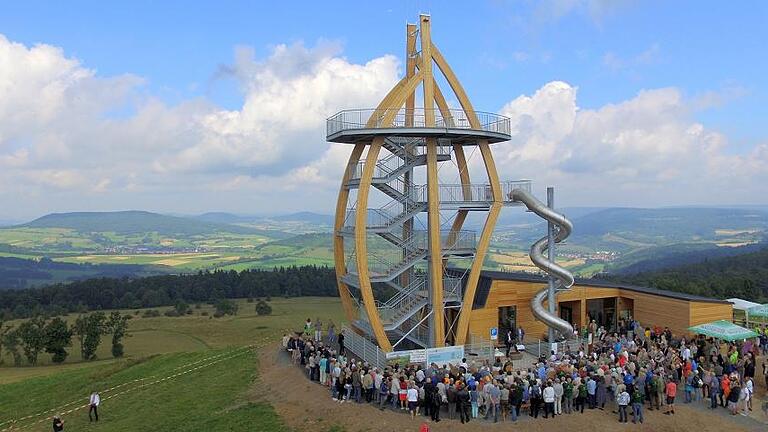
point(563, 278)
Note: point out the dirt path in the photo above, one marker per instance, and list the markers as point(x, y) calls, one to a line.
point(307, 406)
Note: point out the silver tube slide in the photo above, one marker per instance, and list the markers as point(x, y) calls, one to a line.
point(563, 278)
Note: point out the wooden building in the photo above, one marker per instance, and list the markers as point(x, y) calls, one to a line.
point(503, 300)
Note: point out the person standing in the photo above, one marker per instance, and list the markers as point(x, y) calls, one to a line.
point(342, 351)
point(622, 400)
point(592, 392)
point(331, 332)
point(558, 386)
point(318, 331)
point(671, 391)
point(58, 424)
point(714, 391)
point(93, 406)
point(549, 400)
point(308, 328)
point(436, 399)
point(413, 399)
point(568, 395)
point(509, 339)
point(637, 405)
point(463, 401)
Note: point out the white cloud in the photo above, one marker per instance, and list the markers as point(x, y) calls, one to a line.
point(58, 133)
point(644, 151)
point(62, 148)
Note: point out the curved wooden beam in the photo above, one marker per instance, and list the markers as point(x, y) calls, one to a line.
point(458, 90)
point(462, 329)
point(361, 245)
point(338, 239)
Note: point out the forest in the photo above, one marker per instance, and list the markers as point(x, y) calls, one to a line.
point(743, 276)
point(166, 290)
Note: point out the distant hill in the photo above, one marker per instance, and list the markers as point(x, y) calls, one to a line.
point(135, 222)
point(663, 257)
point(223, 218)
point(669, 224)
point(744, 276)
point(309, 217)
point(17, 273)
point(230, 218)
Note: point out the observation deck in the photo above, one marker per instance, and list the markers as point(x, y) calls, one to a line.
point(362, 125)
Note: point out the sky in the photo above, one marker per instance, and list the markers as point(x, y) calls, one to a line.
point(189, 107)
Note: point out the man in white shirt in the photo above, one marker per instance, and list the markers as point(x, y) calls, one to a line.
point(413, 399)
point(93, 408)
point(549, 400)
point(686, 354)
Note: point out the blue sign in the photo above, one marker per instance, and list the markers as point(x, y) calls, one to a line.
point(494, 333)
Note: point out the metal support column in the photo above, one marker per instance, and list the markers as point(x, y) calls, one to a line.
point(551, 256)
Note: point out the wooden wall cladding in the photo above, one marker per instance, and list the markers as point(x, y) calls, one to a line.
point(648, 309)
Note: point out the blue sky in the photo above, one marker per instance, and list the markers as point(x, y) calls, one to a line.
point(711, 53)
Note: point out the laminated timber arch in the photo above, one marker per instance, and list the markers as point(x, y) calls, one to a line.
point(421, 295)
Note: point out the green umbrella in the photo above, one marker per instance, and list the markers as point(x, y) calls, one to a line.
point(723, 329)
point(758, 311)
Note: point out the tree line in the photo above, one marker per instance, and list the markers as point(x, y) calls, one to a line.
point(166, 290)
point(38, 334)
point(743, 276)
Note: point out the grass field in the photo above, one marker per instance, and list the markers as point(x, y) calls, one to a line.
point(213, 397)
point(190, 333)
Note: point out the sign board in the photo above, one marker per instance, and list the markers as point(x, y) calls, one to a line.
point(494, 333)
point(419, 356)
point(445, 355)
point(405, 357)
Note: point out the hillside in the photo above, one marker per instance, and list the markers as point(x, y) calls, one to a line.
point(663, 257)
point(744, 276)
point(16, 273)
point(670, 225)
point(134, 222)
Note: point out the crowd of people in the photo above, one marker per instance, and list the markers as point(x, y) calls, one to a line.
point(628, 371)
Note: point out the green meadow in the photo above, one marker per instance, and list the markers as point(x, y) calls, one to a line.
point(218, 349)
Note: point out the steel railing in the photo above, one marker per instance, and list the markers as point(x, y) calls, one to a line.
point(363, 348)
point(416, 118)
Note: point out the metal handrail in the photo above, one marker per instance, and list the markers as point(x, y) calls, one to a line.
point(415, 118)
point(474, 192)
point(393, 162)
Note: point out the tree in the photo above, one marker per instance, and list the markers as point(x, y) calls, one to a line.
point(181, 307)
point(118, 326)
point(12, 341)
point(32, 336)
point(89, 329)
point(225, 307)
point(58, 336)
point(262, 308)
point(4, 329)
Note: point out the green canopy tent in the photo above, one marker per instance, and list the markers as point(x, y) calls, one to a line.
point(724, 330)
point(758, 311)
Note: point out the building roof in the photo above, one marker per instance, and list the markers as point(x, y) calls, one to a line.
point(742, 304)
point(531, 277)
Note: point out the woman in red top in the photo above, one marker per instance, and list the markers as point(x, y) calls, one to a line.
point(687, 369)
point(403, 393)
point(671, 392)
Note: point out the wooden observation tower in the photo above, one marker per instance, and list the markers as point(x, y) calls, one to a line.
point(407, 270)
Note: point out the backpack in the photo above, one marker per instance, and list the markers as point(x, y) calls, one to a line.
point(535, 392)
